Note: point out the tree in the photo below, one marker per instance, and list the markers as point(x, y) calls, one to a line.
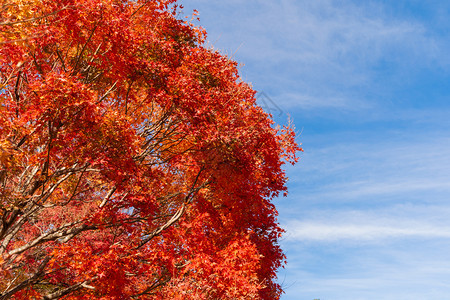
point(134, 162)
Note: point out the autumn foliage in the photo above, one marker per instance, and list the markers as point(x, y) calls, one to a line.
point(134, 162)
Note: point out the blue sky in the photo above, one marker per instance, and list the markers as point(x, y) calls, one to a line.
point(365, 83)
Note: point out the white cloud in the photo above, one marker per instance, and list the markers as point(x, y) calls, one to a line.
point(291, 101)
point(396, 187)
point(396, 268)
point(308, 34)
point(326, 52)
point(391, 222)
point(317, 231)
point(371, 167)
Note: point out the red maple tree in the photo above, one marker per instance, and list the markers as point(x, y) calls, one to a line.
point(134, 162)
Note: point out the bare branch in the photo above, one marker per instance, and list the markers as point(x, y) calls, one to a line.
point(107, 197)
point(60, 293)
point(177, 215)
point(32, 280)
point(36, 18)
point(65, 232)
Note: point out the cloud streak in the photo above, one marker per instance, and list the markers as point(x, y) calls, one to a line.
point(325, 232)
point(368, 166)
point(311, 55)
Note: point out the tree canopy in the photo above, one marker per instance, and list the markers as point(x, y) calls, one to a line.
point(134, 161)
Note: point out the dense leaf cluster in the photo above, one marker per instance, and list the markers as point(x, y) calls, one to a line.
point(134, 162)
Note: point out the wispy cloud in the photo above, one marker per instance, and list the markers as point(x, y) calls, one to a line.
point(396, 268)
point(370, 190)
point(363, 231)
point(328, 53)
point(290, 101)
point(399, 252)
point(315, 31)
point(367, 167)
point(338, 33)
